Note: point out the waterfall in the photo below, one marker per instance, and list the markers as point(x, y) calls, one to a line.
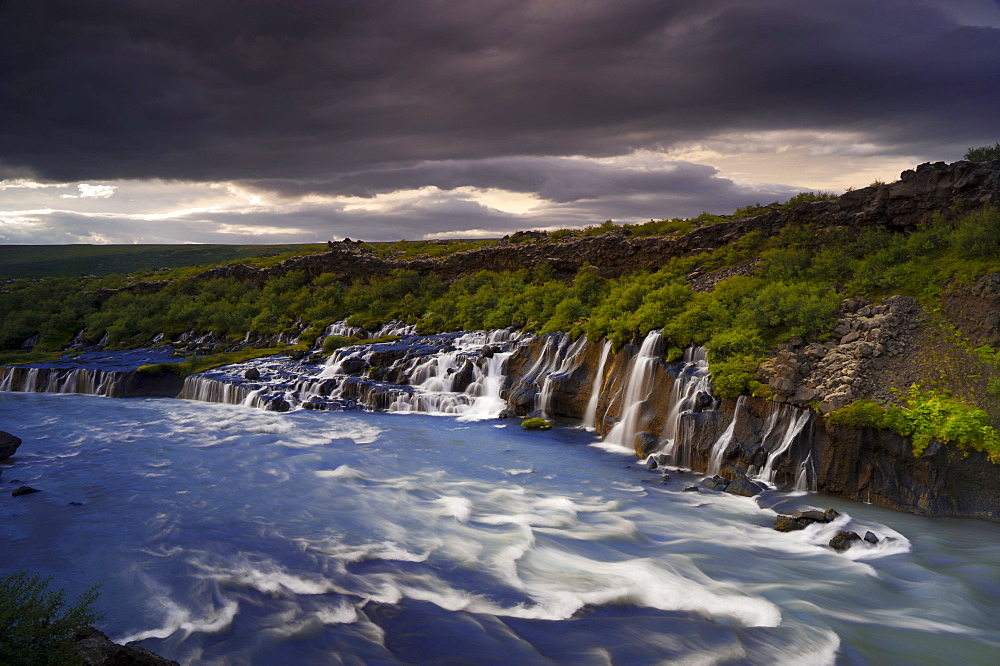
point(637, 391)
point(725, 439)
point(569, 359)
point(692, 385)
point(87, 381)
point(590, 416)
point(793, 426)
point(805, 478)
point(206, 389)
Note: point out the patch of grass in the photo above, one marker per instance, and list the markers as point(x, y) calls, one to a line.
point(195, 364)
point(536, 423)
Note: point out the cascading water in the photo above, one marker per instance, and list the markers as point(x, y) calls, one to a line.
point(725, 439)
point(692, 387)
point(590, 416)
point(639, 385)
point(568, 357)
point(794, 424)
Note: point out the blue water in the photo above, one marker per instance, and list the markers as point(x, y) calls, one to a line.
point(112, 360)
point(224, 535)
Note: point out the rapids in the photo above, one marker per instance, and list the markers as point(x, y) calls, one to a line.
point(223, 534)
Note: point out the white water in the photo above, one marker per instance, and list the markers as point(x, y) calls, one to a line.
point(566, 359)
point(793, 426)
point(725, 439)
point(596, 388)
point(692, 383)
point(638, 388)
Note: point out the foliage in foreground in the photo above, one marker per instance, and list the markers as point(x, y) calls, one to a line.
point(36, 626)
point(927, 416)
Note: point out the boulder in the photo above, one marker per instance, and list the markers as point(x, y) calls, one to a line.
point(645, 442)
point(716, 482)
point(811, 514)
point(744, 487)
point(870, 537)
point(8, 444)
point(690, 489)
point(24, 490)
point(252, 374)
point(790, 524)
point(844, 540)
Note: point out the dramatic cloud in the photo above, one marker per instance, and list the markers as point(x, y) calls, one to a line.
point(565, 102)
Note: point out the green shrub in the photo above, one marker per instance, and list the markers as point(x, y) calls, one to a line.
point(536, 423)
point(331, 343)
point(927, 416)
point(859, 414)
point(983, 153)
point(36, 627)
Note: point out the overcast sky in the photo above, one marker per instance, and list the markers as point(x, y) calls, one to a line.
point(239, 121)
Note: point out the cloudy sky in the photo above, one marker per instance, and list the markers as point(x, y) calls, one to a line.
point(259, 121)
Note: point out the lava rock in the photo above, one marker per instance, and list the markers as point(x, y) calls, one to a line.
point(870, 537)
point(791, 524)
point(744, 487)
point(253, 374)
point(691, 489)
point(24, 490)
point(844, 540)
point(656, 461)
point(811, 514)
point(8, 444)
point(716, 483)
point(96, 649)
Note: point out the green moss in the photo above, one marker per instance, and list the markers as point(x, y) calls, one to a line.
point(536, 423)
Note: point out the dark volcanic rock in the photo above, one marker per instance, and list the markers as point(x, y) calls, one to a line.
point(8, 444)
point(790, 524)
point(24, 490)
point(744, 487)
point(96, 649)
point(844, 540)
point(253, 374)
point(644, 443)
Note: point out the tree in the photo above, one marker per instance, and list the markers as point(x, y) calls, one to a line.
point(35, 626)
point(983, 153)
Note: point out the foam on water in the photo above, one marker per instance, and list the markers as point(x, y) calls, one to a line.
point(276, 538)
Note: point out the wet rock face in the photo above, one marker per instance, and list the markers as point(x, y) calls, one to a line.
point(8, 444)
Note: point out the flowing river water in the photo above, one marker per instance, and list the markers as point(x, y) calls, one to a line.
point(222, 534)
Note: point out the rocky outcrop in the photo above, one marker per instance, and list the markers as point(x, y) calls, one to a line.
point(96, 649)
point(930, 189)
point(8, 444)
point(852, 365)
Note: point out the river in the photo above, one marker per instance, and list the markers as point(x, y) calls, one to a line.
point(221, 534)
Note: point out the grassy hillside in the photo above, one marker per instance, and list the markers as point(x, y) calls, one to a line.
point(39, 261)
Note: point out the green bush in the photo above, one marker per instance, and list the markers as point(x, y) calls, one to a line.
point(36, 627)
point(983, 153)
point(536, 423)
point(927, 416)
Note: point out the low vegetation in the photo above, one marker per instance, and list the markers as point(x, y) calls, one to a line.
point(536, 423)
point(36, 625)
point(791, 284)
point(926, 416)
point(983, 153)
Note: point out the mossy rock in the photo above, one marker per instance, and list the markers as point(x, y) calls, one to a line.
point(536, 424)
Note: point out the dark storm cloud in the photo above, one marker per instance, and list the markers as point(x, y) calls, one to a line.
point(311, 91)
point(555, 179)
